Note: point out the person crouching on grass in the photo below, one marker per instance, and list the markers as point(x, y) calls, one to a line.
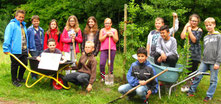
point(52, 49)
point(86, 69)
point(211, 59)
point(139, 72)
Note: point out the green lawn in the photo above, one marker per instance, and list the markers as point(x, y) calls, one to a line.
point(42, 93)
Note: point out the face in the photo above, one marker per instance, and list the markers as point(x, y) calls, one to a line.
point(107, 24)
point(141, 57)
point(210, 27)
point(194, 22)
point(89, 48)
point(158, 24)
point(91, 23)
point(35, 22)
point(20, 17)
point(164, 34)
point(51, 46)
point(72, 22)
point(53, 25)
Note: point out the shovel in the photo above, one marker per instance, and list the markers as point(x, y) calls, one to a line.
point(109, 79)
point(131, 90)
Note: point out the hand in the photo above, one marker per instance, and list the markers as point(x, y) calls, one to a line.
point(89, 88)
point(149, 92)
point(110, 34)
point(159, 60)
point(61, 62)
point(6, 53)
point(142, 83)
point(73, 40)
point(174, 14)
point(164, 57)
point(38, 58)
point(216, 67)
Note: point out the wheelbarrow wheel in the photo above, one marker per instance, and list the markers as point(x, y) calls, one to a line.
point(55, 85)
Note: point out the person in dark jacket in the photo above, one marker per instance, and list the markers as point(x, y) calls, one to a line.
point(91, 33)
point(139, 72)
point(86, 69)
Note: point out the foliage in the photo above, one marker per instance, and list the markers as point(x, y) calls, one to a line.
point(184, 58)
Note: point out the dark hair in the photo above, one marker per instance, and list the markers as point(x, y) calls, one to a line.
point(142, 50)
point(165, 27)
point(51, 40)
point(35, 17)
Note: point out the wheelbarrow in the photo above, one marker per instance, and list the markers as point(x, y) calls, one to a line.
point(57, 81)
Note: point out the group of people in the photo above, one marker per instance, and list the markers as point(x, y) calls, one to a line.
point(160, 45)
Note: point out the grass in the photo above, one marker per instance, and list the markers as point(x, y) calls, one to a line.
point(42, 93)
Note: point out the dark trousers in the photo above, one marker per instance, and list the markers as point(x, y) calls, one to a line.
point(78, 78)
point(103, 59)
point(171, 60)
point(15, 64)
point(194, 65)
point(35, 54)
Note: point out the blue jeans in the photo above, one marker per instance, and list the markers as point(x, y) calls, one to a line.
point(213, 79)
point(140, 91)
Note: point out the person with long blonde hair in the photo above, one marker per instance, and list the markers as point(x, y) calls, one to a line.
point(71, 35)
point(91, 33)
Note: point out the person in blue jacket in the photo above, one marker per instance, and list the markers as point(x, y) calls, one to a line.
point(139, 72)
point(35, 39)
point(16, 42)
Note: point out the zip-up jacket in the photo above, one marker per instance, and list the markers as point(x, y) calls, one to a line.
point(212, 50)
point(142, 71)
point(13, 37)
point(31, 38)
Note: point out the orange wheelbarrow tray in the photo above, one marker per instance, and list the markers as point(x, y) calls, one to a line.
point(56, 78)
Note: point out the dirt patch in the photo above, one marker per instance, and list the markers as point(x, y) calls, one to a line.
point(2, 101)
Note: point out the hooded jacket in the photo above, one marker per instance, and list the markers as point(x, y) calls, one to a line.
point(13, 37)
point(31, 38)
point(212, 50)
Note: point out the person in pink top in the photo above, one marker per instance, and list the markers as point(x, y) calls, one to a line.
point(104, 35)
point(71, 33)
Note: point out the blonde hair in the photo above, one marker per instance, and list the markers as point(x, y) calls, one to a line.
point(210, 20)
point(159, 19)
point(76, 25)
point(19, 11)
point(195, 15)
point(107, 20)
point(89, 43)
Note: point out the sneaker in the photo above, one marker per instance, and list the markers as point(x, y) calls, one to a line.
point(206, 99)
point(21, 80)
point(15, 83)
point(189, 94)
point(185, 88)
point(146, 101)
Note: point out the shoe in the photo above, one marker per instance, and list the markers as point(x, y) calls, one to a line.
point(15, 83)
point(146, 101)
point(102, 80)
point(185, 88)
point(189, 94)
point(206, 99)
point(21, 80)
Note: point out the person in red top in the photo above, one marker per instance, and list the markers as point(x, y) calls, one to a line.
point(53, 32)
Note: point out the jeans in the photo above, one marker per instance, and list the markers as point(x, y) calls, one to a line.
point(213, 79)
point(171, 60)
point(140, 91)
point(78, 78)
